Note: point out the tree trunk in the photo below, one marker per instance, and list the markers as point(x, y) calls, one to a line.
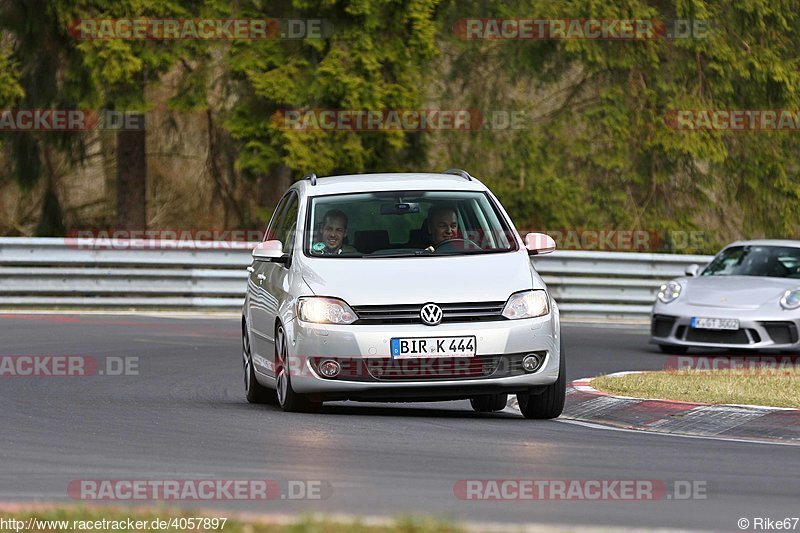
point(51, 222)
point(132, 178)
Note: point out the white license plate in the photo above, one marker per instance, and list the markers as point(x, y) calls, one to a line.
point(408, 347)
point(714, 323)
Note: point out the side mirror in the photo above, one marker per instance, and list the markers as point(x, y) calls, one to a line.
point(692, 270)
point(270, 251)
point(539, 243)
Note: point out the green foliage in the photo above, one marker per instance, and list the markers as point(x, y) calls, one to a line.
point(598, 149)
point(122, 69)
point(373, 59)
point(10, 89)
point(43, 73)
point(602, 153)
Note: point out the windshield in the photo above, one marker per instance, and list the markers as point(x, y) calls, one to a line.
point(405, 224)
point(768, 261)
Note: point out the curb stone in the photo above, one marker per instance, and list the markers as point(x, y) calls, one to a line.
point(674, 417)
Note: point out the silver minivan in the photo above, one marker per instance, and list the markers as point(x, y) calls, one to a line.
point(400, 287)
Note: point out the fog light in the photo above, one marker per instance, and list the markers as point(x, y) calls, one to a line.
point(329, 368)
point(531, 362)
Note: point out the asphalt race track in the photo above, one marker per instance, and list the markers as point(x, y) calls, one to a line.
point(184, 416)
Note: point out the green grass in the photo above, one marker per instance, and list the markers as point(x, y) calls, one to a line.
point(769, 387)
point(263, 524)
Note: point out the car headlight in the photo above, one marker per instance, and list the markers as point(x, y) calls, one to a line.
point(321, 310)
point(669, 292)
point(791, 299)
point(527, 304)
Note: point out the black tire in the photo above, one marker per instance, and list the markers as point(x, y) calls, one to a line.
point(549, 403)
point(288, 399)
point(489, 403)
point(254, 391)
point(672, 349)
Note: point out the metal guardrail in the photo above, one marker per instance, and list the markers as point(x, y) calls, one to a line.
point(610, 284)
point(68, 273)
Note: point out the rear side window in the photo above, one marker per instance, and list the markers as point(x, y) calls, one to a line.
point(287, 225)
point(276, 218)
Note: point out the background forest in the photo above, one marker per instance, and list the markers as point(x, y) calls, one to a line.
point(596, 148)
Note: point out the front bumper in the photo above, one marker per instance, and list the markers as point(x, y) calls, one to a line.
point(503, 341)
point(769, 332)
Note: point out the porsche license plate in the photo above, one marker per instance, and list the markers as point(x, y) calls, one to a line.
point(714, 323)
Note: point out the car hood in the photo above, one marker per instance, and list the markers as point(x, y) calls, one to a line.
point(413, 280)
point(743, 292)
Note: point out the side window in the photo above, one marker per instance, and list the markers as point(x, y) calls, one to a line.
point(287, 226)
point(276, 219)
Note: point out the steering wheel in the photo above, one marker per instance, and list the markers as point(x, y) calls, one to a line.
point(457, 245)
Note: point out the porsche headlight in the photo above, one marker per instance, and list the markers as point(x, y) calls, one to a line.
point(321, 310)
point(669, 292)
point(527, 304)
point(791, 299)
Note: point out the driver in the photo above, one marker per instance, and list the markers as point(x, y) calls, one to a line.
point(442, 225)
point(334, 231)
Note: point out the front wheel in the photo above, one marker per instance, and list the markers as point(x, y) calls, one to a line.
point(288, 399)
point(550, 402)
point(489, 403)
point(254, 391)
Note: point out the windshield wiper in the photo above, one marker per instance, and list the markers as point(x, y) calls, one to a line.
point(414, 253)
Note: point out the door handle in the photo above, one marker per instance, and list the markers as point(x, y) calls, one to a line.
point(261, 277)
point(251, 269)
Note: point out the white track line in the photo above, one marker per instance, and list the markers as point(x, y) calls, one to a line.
point(662, 434)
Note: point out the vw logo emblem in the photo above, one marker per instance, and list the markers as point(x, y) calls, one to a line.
point(431, 314)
